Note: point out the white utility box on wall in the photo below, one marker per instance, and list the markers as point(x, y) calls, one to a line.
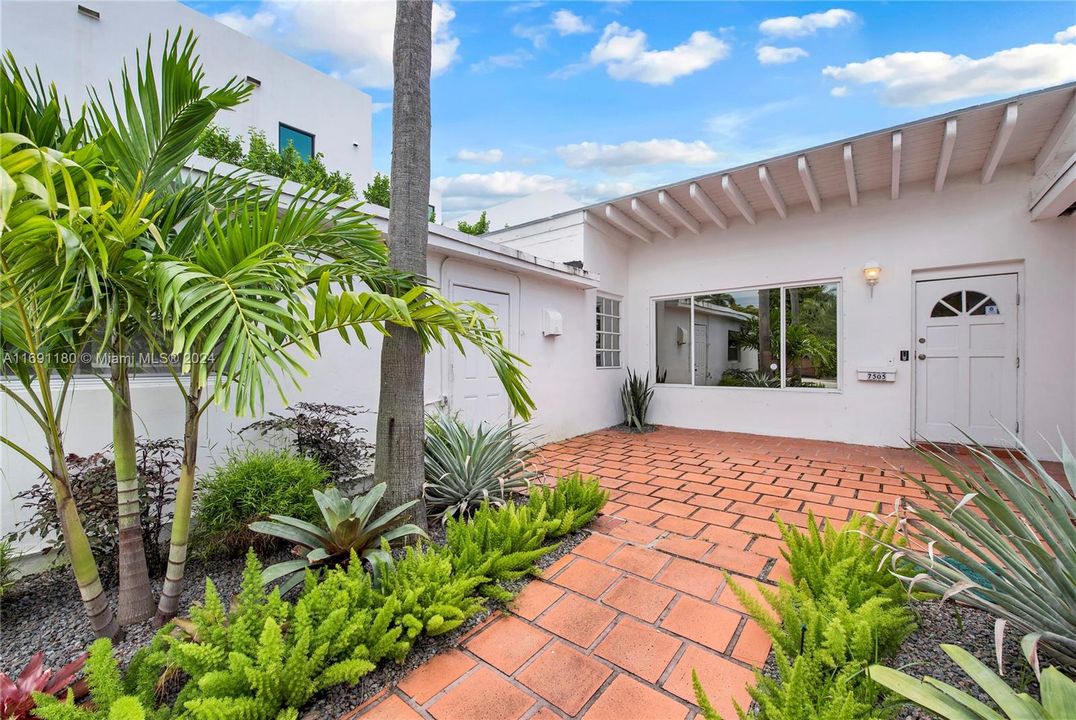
point(552, 322)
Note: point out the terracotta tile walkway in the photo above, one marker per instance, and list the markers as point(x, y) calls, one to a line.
point(614, 629)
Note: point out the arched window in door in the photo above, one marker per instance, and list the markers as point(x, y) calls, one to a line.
point(965, 302)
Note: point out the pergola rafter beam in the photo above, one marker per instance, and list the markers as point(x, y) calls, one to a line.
point(651, 218)
point(808, 183)
point(772, 192)
point(677, 211)
point(707, 205)
point(626, 224)
point(894, 184)
point(732, 192)
point(1001, 140)
point(850, 175)
point(946, 155)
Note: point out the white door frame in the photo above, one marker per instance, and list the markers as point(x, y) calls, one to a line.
point(968, 271)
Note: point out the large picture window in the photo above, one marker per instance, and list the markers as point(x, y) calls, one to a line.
point(772, 337)
point(607, 336)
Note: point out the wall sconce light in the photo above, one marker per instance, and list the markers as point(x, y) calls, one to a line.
point(871, 272)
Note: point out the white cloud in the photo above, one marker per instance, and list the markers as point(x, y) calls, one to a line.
point(800, 26)
point(514, 59)
point(380, 106)
point(485, 157)
point(254, 25)
point(924, 78)
point(566, 22)
point(635, 152)
point(1066, 35)
point(839, 91)
point(473, 191)
point(357, 39)
point(770, 55)
point(728, 126)
point(626, 55)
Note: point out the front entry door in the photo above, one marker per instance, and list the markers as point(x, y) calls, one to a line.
point(966, 364)
point(477, 393)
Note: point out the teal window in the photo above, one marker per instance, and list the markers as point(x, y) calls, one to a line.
point(303, 141)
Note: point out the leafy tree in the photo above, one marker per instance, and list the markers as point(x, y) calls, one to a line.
point(378, 192)
point(478, 227)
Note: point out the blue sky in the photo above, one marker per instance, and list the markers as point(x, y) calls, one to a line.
point(603, 98)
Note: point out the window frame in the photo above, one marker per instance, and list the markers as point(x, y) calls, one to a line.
point(619, 333)
point(312, 136)
point(782, 287)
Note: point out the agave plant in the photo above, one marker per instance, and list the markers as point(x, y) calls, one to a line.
point(17, 696)
point(635, 395)
point(1006, 546)
point(349, 527)
point(1057, 691)
point(467, 466)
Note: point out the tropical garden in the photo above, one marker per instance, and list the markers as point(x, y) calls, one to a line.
point(271, 582)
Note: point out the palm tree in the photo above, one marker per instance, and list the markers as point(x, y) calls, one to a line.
point(147, 136)
point(398, 458)
point(58, 241)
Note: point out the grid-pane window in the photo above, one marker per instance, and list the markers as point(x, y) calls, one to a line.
point(607, 337)
point(301, 141)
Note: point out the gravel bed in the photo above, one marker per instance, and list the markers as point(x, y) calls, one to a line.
point(949, 623)
point(972, 630)
point(44, 612)
point(338, 700)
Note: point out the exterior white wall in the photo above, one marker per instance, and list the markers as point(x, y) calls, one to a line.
point(76, 52)
point(525, 209)
point(559, 239)
point(966, 229)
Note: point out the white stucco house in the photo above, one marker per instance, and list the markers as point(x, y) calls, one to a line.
point(904, 284)
point(920, 280)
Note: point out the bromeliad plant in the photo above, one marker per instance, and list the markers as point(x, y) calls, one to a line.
point(350, 527)
point(1058, 692)
point(467, 466)
point(635, 395)
point(1007, 546)
point(18, 696)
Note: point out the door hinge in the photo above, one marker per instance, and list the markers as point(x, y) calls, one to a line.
point(1017, 298)
point(1017, 426)
point(1017, 361)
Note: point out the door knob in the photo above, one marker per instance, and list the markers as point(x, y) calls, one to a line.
point(922, 356)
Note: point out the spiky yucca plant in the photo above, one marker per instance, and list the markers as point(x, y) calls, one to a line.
point(350, 526)
point(635, 395)
point(467, 466)
point(1014, 530)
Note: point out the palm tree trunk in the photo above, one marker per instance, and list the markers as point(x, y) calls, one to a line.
point(136, 595)
point(400, 427)
point(79, 553)
point(168, 605)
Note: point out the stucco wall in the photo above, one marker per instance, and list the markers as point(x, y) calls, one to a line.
point(77, 52)
point(967, 229)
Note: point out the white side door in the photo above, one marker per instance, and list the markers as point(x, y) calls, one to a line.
point(476, 391)
point(966, 365)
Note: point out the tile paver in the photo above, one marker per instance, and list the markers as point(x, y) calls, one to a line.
point(614, 628)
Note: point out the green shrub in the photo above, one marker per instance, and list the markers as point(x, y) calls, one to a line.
point(467, 466)
point(501, 543)
point(850, 562)
point(434, 597)
point(250, 487)
point(112, 697)
point(7, 567)
point(844, 612)
point(573, 499)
